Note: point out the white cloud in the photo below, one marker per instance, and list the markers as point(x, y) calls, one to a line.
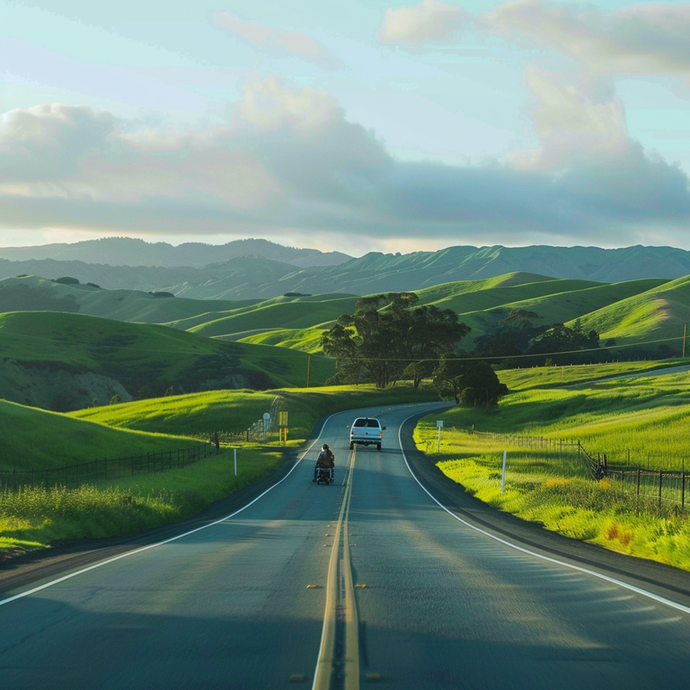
point(48, 141)
point(573, 120)
point(586, 147)
point(268, 104)
point(276, 41)
point(428, 22)
point(291, 162)
point(640, 39)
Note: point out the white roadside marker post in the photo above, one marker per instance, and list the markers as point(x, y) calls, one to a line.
point(439, 424)
point(235, 454)
point(503, 474)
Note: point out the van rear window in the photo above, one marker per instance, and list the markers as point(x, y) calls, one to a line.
point(369, 423)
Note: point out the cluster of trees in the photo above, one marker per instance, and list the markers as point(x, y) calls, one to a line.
point(518, 335)
point(389, 338)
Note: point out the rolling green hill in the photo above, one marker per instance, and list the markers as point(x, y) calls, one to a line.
point(658, 314)
point(32, 293)
point(554, 301)
point(296, 313)
point(62, 361)
point(272, 338)
point(306, 339)
point(481, 304)
point(37, 439)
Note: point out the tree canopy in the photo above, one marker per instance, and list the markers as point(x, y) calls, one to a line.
point(517, 335)
point(388, 335)
point(472, 382)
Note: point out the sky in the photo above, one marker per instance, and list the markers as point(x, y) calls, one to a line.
point(350, 125)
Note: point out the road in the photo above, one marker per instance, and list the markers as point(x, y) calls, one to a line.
point(368, 580)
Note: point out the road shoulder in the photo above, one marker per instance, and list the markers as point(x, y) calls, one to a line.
point(660, 579)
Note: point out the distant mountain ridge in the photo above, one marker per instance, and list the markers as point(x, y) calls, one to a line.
point(128, 251)
point(263, 276)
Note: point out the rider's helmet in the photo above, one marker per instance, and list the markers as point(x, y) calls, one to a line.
point(324, 446)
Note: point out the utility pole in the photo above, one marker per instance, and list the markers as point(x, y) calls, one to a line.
point(685, 335)
point(309, 366)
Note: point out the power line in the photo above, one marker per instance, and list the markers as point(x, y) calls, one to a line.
point(353, 359)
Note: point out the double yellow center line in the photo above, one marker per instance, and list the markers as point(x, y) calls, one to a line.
point(338, 663)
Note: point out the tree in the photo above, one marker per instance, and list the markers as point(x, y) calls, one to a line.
point(470, 381)
point(417, 371)
point(569, 341)
point(511, 336)
point(387, 334)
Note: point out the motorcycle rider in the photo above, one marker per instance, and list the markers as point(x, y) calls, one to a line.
point(326, 460)
point(326, 457)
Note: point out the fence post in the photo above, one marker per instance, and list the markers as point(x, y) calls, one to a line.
point(682, 490)
point(503, 472)
point(95, 469)
point(660, 474)
point(638, 481)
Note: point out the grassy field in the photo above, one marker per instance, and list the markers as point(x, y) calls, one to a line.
point(36, 439)
point(656, 314)
point(234, 411)
point(30, 293)
point(149, 356)
point(296, 313)
point(304, 339)
point(630, 312)
point(641, 420)
point(192, 414)
point(35, 518)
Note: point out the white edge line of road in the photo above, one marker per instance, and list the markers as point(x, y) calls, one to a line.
point(548, 559)
point(100, 564)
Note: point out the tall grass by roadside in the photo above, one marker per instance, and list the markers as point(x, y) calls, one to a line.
point(648, 417)
point(34, 517)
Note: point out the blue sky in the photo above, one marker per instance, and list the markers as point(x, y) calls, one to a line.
point(344, 124)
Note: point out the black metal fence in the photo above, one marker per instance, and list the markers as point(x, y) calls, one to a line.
point(108, 469)
point(657, 486)
point(662, 489)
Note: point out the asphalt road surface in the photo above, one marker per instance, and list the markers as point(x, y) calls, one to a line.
point(369, 580)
